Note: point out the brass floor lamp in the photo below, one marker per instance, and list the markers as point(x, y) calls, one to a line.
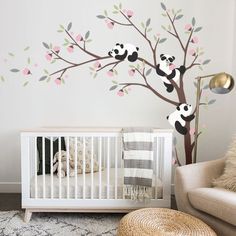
point(220, 83)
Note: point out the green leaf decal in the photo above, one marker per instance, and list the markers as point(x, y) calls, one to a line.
point(2, 78)
point(148, 22)
point(87, 35)
point(14, 70)
point(206, 62)
point(163, 6)
point(148, 72)
point(179, 17)
point(26, 83)
point(46, 45)
point(193, 21)
point(198, 29)
point(69, 26)
point(27, 48)
point(114, 82)
point(113, 87)
point(206, 87)
point(162, 40)
point(211, 101)
point(43, 78)
point(11, 54)
point(101, 17)
point(28, 60)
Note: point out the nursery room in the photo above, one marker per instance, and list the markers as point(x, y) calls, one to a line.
point(118, 117)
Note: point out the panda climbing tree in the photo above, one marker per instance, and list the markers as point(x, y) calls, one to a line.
point(166, 73)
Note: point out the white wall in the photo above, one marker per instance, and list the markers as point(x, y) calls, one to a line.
point(84, 101)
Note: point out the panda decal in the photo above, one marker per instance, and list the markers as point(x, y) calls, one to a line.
point(179, 117)
point(167, 71)
point(124, 52)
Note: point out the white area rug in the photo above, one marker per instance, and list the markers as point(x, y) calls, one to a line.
point(66, 224)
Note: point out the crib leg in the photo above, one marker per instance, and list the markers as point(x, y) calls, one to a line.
point(28, 215)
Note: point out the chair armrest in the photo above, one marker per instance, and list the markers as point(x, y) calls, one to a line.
point(194, 176)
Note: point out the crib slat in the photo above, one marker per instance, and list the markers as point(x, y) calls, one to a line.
point(84, 168)
point(59, 165)
point(108, 168)
point(35, 168)
point(100, 167)
point(116, 153)
point(156, 161)
point(43, 151)
point(67, 167)
point(76, 164)
point(51, 171)
point(92, 167)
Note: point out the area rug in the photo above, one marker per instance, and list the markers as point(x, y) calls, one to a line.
point(70, 224)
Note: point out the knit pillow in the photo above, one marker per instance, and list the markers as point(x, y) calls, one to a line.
point(88, 154)
point(228, 179)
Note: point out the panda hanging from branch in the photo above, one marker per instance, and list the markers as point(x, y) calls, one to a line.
point(167, 71)
point(180, 116)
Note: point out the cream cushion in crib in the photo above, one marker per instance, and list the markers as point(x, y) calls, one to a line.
point(80, 147)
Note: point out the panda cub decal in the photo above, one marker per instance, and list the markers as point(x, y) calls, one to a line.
point(167, 71)
point(124, 52)
point(179, 117)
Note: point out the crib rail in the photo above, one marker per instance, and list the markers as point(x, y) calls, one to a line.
point(96, 151)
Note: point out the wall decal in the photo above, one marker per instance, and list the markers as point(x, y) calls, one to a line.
point(166, 72)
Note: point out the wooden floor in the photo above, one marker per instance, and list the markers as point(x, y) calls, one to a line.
point(12, 201)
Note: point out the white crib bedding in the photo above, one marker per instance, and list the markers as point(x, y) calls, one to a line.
point(158, 184)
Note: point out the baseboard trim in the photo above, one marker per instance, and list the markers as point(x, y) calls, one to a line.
point(10, 187)
point(15, 187)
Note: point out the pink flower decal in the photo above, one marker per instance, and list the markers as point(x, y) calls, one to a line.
point(48, 56)
point(97, 65)
point(70, 49)
point(58, 81)
point(158, 35)
point(172, 67)
point(194, 39)
point(26, 71)
point(188, 27)
point(110, 24)
point(192, 52)
point(79, 38)
point(129, 13)
point(120, 93)
point(131, 72)
point(110, 73)
point(56, 49)
point(192, 131)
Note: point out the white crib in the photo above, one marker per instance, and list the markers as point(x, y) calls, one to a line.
point(100, 191)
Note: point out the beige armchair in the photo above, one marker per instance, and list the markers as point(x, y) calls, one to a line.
point(195, 195)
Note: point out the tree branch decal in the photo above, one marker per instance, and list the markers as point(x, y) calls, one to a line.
point(137, 66)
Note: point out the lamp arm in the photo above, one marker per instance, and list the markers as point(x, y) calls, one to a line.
point(197, 117)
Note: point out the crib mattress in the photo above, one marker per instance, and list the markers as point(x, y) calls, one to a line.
point(157, 188)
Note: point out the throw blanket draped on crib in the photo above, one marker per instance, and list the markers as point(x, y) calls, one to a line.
point(138, 163)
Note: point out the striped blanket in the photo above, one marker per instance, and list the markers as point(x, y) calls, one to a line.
point(138, 163)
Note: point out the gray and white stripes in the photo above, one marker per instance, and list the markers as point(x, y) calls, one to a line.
point(138, 162)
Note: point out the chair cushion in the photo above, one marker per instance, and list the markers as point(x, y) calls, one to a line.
point(217, 202)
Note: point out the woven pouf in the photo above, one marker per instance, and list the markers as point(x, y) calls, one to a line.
point(162, 221)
